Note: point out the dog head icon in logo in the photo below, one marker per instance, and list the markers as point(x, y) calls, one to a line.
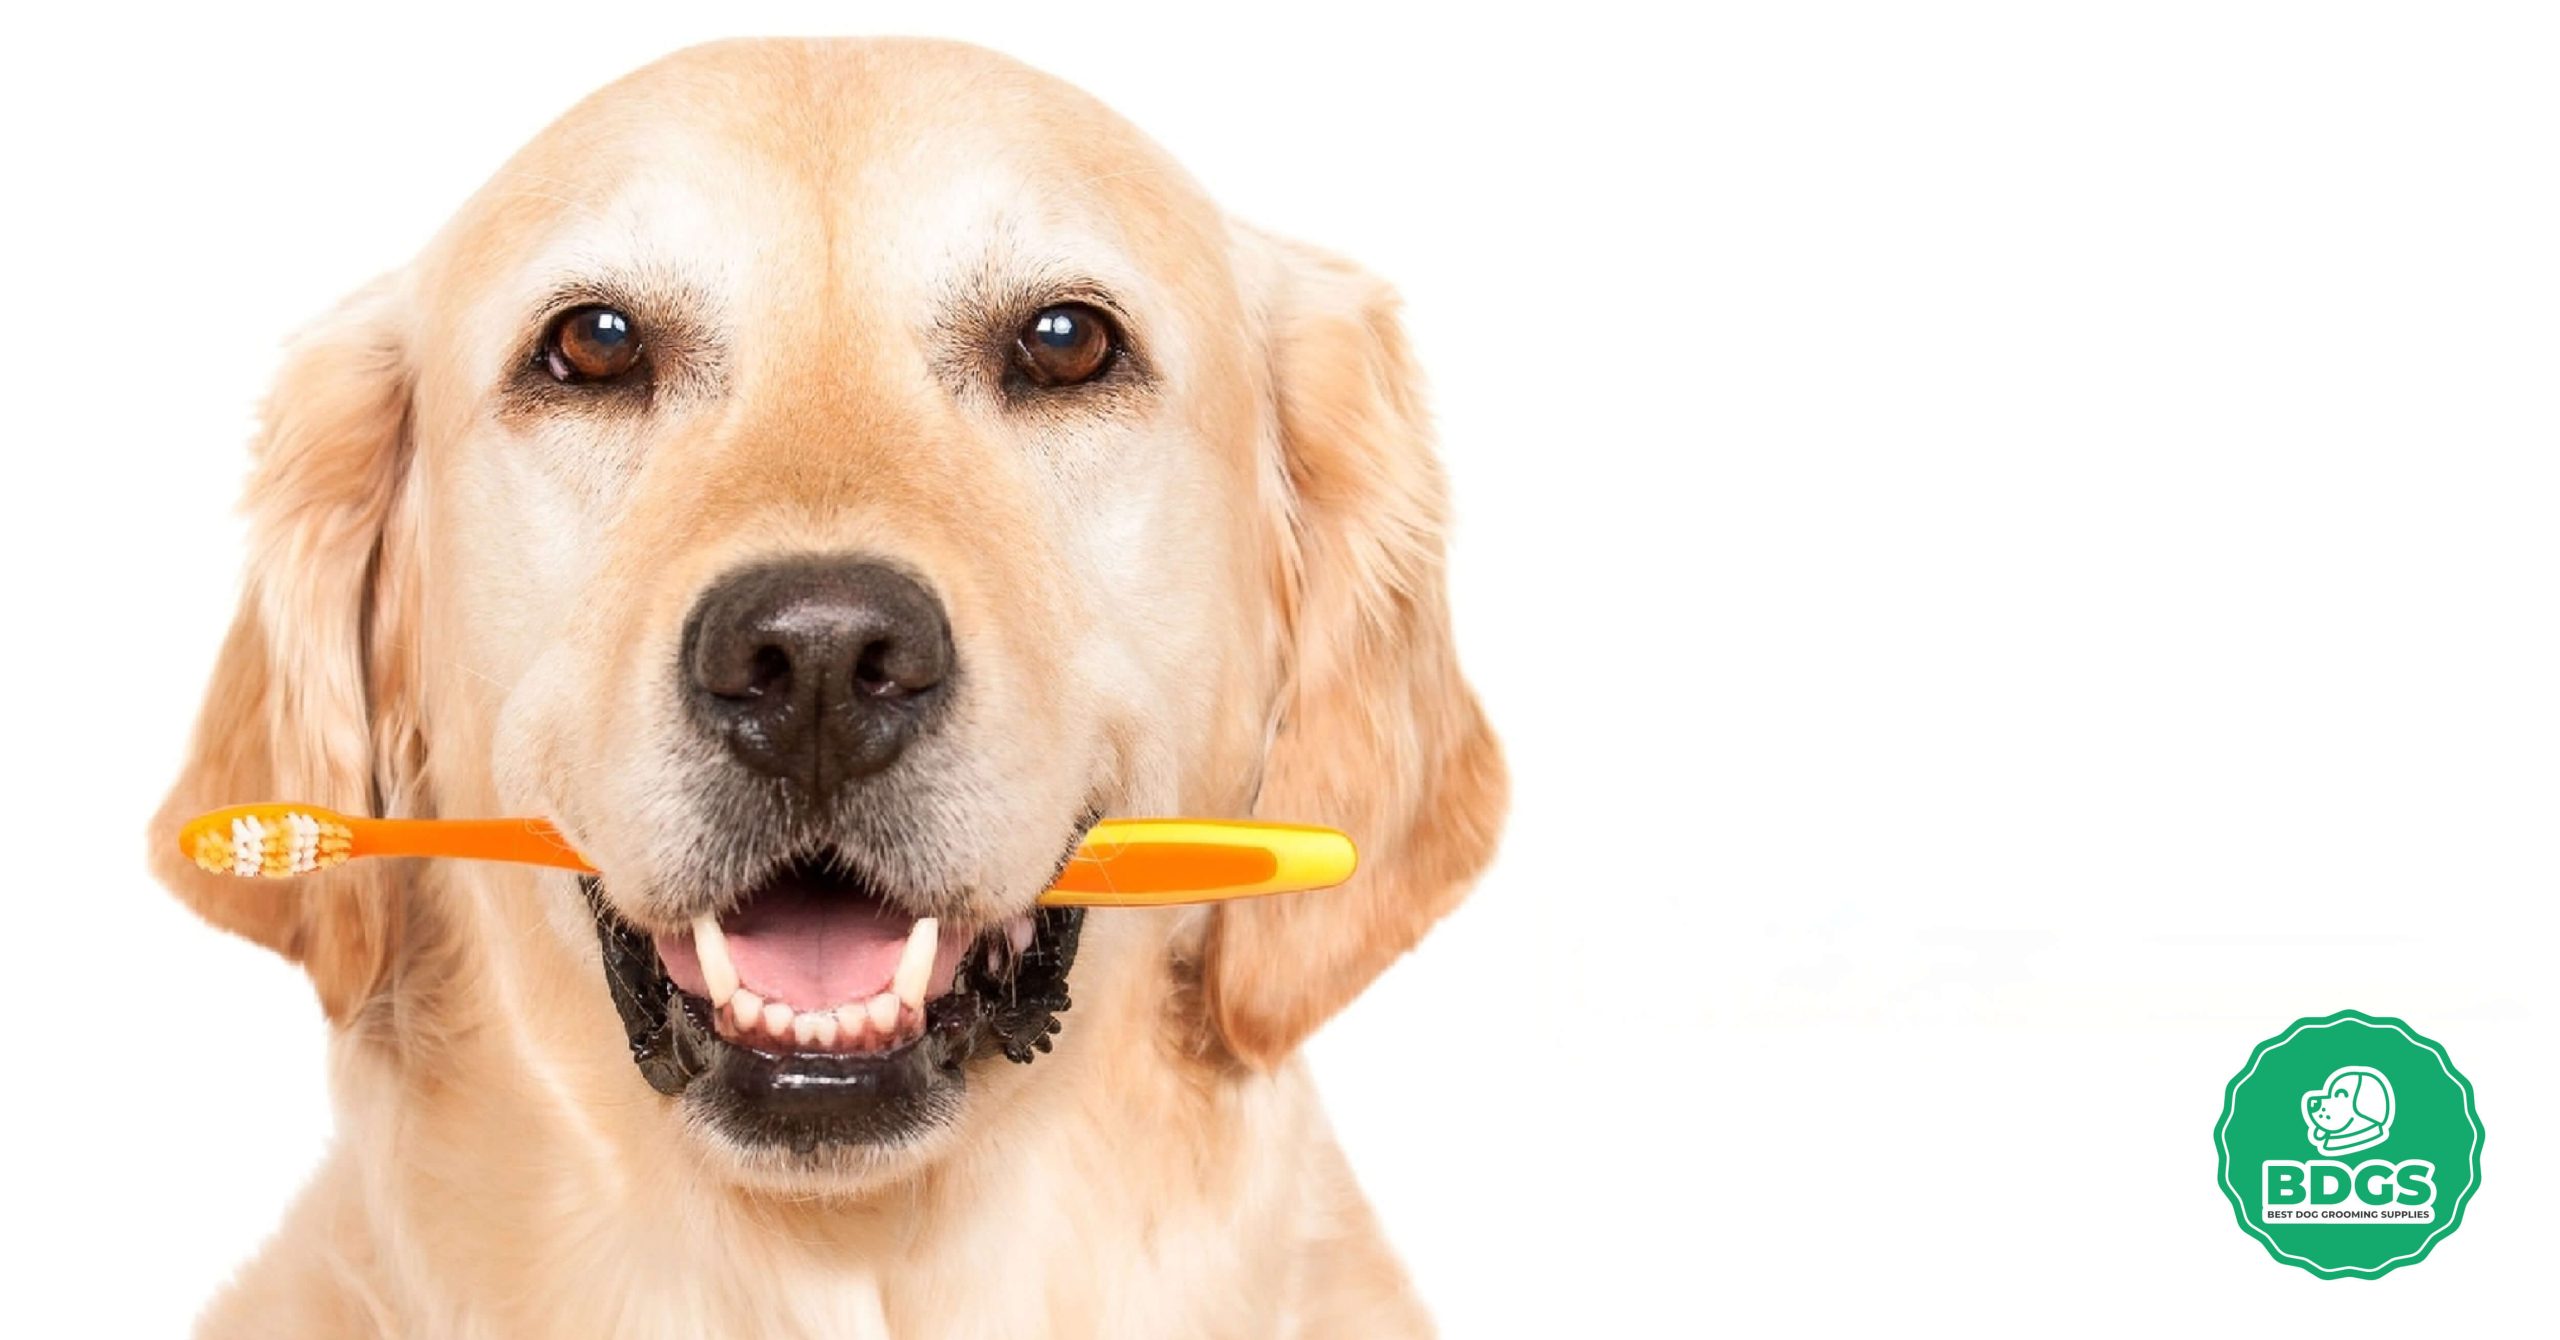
point(2350, 1112)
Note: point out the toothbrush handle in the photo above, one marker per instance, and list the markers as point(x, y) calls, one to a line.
point(525, 841)
point(1121, 863)
point(1138, 862)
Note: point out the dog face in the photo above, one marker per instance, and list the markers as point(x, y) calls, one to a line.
point(2351, 1111)
point(2329, 1112)
point(824, 478)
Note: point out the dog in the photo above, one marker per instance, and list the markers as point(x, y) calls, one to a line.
point(823, 477)
point(2351, 1111)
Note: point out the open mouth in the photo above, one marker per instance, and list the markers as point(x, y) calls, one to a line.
point(812, 962)
point(818, 1011)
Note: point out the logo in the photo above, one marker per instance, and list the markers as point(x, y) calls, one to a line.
point(2349, 1084)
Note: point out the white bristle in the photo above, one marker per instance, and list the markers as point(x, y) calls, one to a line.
point(248, 837)
point(302, 851)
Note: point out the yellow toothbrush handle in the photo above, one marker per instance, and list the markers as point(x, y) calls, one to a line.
point(1144, 862)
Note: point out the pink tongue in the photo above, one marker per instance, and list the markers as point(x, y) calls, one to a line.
point(812, 947)
point(816, 950)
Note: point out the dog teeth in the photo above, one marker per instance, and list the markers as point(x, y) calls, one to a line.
point(853, 1021)
point(856, 1025)
point(719, 974)
point(861, 1025)
point(915, 963)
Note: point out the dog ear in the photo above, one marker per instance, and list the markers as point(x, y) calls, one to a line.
point(313, 698)
point(1376, 733)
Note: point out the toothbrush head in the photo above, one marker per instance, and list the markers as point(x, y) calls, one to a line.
point(270, 841)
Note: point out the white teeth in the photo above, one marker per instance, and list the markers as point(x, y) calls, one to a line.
point(719, 975)
point(915, 963)
point(853, 1025)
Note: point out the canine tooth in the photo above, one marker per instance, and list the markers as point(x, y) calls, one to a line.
point(747, 1007)
point(915, 963)
point(719, 975)
point(822, 1027)
point(777, 1019)
point(804, 1027)
point(884, 1014)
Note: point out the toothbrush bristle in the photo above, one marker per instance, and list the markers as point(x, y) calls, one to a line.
point(273, 846)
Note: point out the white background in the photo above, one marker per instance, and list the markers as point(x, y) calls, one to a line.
point(2013, 549)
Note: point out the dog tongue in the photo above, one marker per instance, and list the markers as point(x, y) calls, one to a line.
point(812, 945)
point(816, 947)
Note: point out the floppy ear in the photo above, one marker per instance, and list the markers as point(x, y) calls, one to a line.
point(314, 696)
point(1376, 732)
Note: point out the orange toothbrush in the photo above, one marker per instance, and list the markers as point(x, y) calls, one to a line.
point(1121, 863)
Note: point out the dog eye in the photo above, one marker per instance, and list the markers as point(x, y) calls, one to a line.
point(591, 344)
point(1064, 345)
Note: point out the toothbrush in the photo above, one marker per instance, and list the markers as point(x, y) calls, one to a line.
point(1121, 863)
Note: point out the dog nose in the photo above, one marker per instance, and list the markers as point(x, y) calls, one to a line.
point(817, 671)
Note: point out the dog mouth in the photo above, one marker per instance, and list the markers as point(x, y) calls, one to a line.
point(817, 1010)
point(813, 961)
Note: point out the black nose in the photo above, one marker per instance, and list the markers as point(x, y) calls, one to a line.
point(818, 671)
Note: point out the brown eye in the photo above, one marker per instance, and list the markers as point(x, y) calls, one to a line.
point(591, 344)
point(1064, 345)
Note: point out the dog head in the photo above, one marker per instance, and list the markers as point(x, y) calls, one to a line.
point(823, 478)
point(2350, 1111)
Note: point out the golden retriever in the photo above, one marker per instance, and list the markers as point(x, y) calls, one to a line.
point(823, 477)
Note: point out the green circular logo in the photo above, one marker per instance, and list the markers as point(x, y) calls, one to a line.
point(2349, 1145)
